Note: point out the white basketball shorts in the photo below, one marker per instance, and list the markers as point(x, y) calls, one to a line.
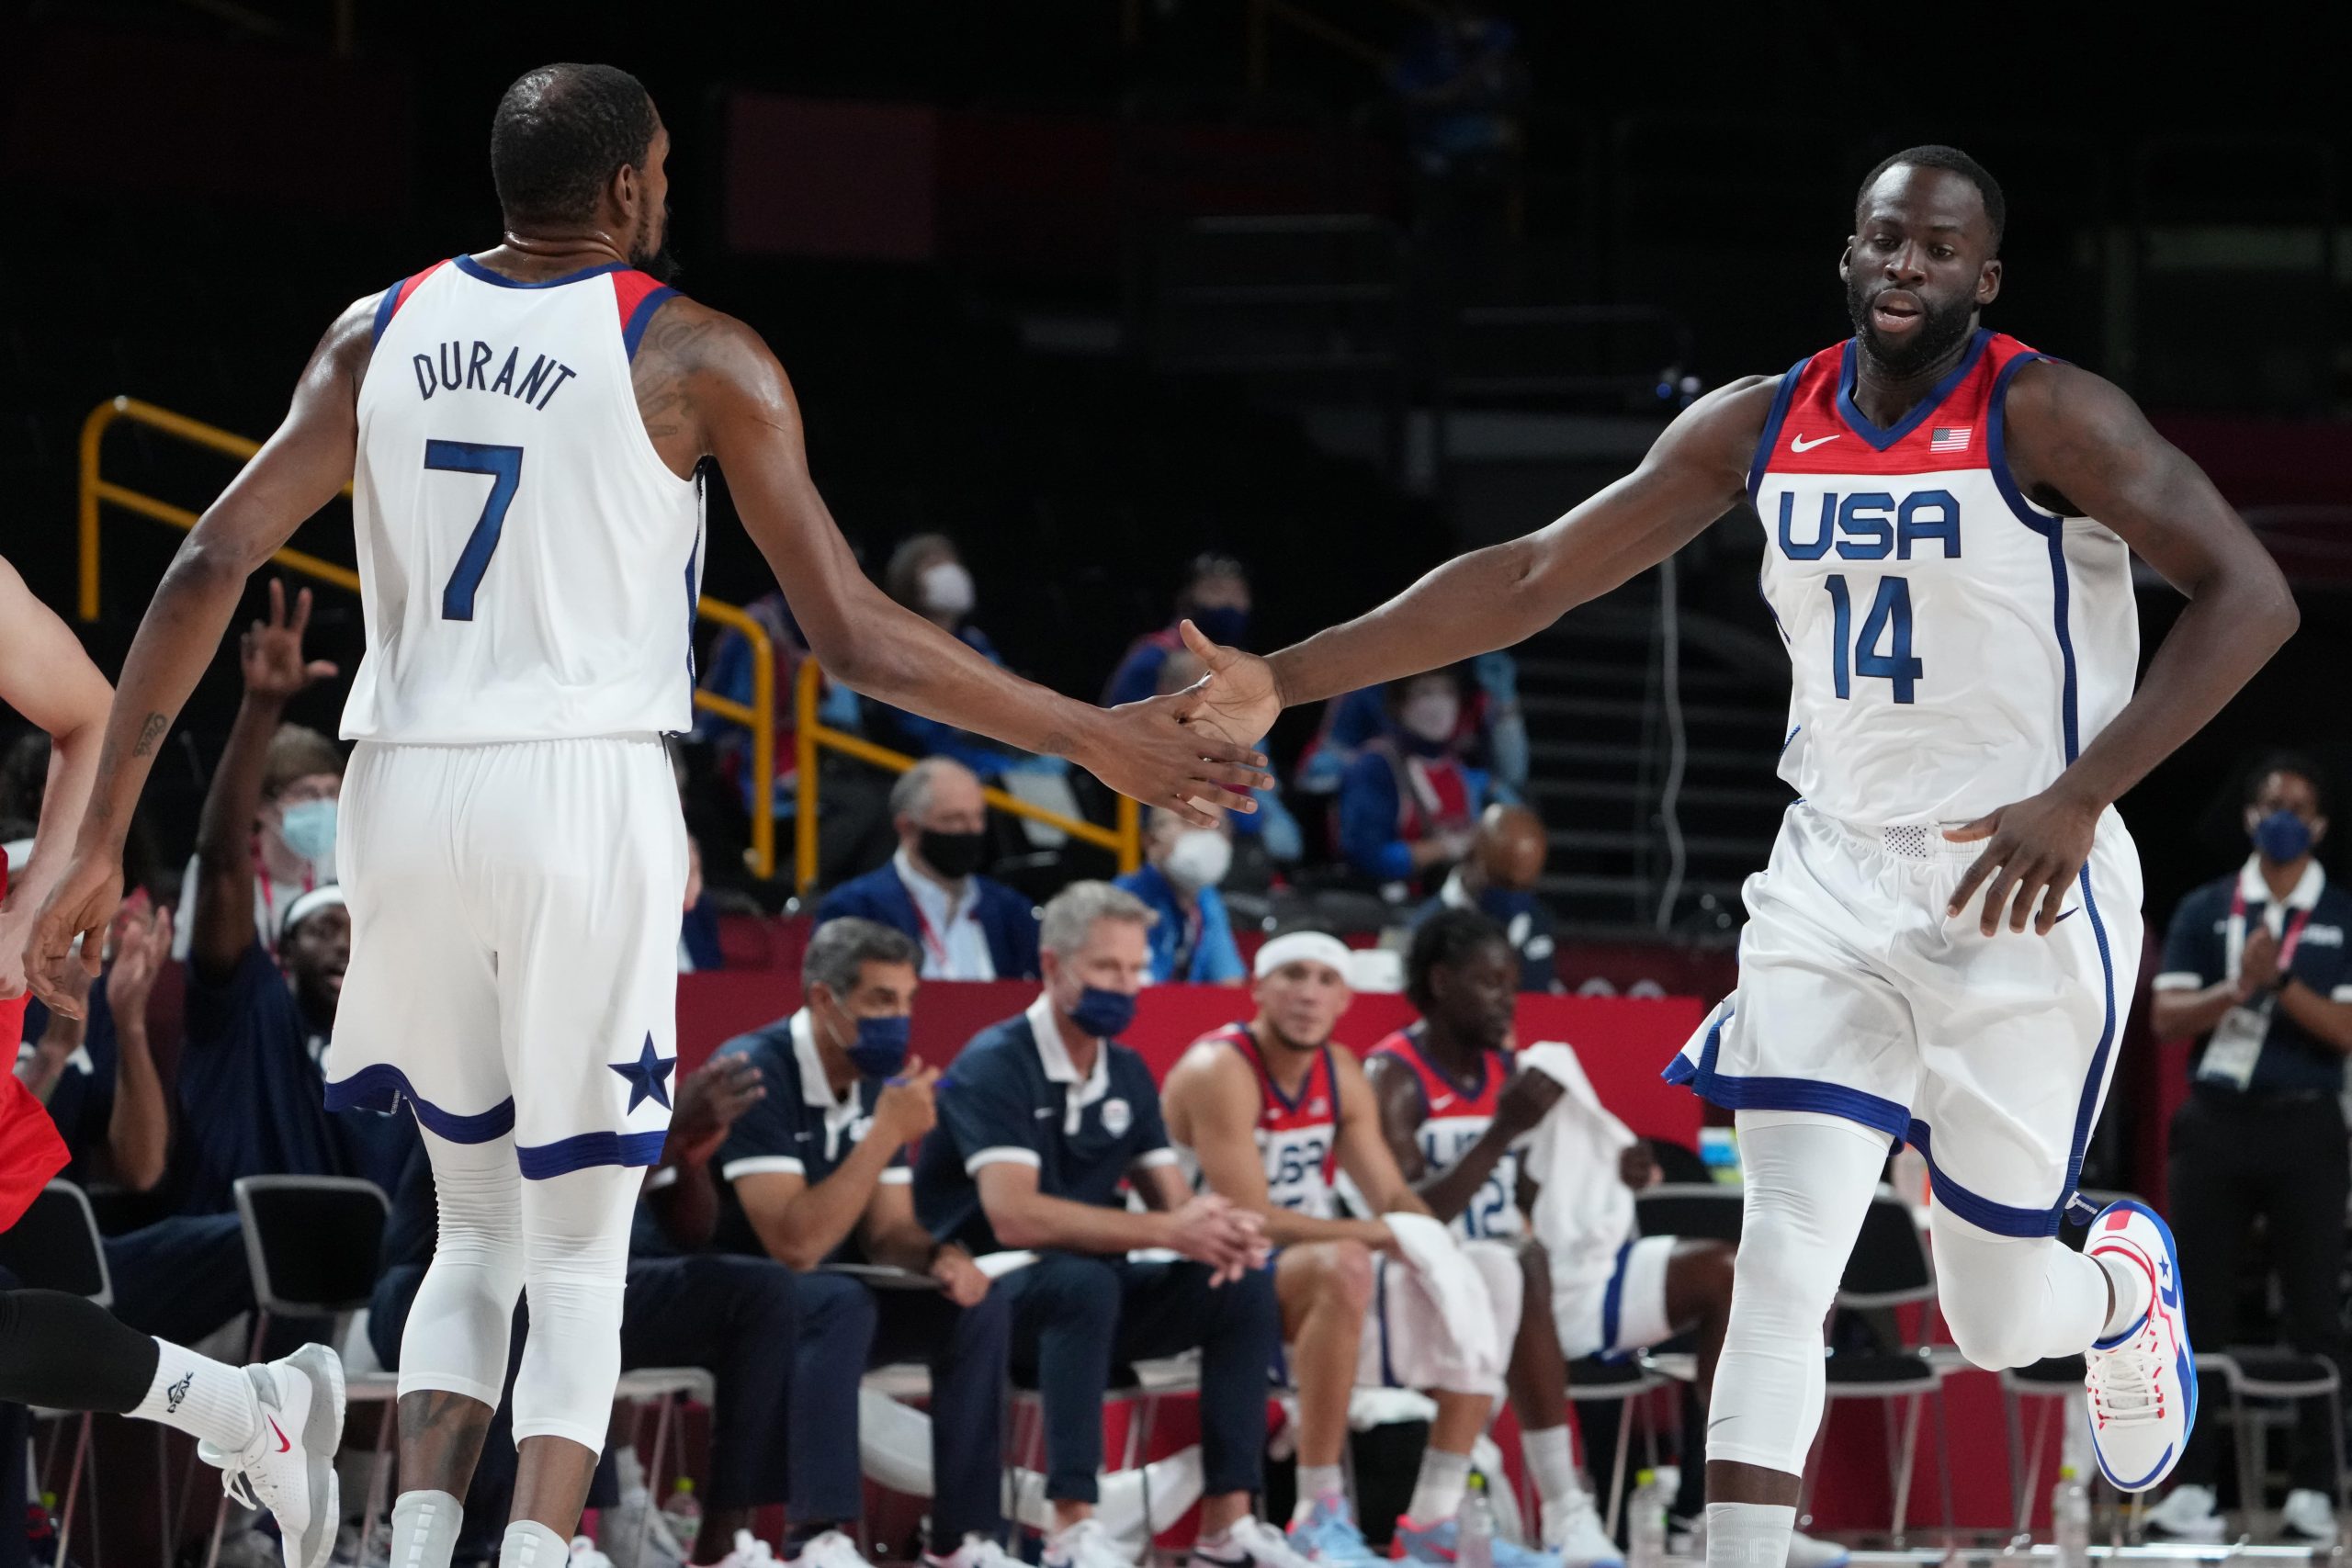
point(1406, 1343)
point(515, 915)
point(1860, 998)
point(1624, 1311)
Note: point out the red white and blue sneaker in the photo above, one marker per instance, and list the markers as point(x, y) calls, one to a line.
point(2142, 1382)
point(1433, 1545)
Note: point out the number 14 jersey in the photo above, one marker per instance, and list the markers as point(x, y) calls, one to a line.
point(528, 564)
point(1952, 644)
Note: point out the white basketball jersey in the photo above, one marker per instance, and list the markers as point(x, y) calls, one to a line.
point(529, 565)
point(1952, 645)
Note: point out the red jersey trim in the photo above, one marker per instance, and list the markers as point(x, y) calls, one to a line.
point(1815, 428)
point(397, 296)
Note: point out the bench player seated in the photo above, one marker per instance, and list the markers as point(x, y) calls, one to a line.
point(1271, 1111)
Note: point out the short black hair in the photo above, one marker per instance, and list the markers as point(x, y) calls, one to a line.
point(560, 132)
point(2285, 760)
point(1445, 940)
point(1936, 155)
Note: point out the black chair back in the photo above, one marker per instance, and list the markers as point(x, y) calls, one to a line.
point(1889, 1263)
point(56, 1247)
point(1704, 1210)
point(312, 1242)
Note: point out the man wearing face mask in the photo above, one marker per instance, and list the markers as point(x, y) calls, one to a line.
point(2256, 963)
point(1042, 1119)
point(815, 1173)
point(1215, 594)
point(1191, 938)
point(1408, 803)
point(968, 926)
point(1498, 879)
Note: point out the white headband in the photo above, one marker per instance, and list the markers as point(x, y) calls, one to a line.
point(309, 904)
point(1321, 947)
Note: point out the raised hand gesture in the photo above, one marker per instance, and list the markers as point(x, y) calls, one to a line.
point(269, 654)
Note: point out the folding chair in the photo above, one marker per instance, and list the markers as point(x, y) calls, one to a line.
point(1625, 1383)
point(1699, 1209)
point(1146, 1385)
point(2275, 1374)
point(56, 1246)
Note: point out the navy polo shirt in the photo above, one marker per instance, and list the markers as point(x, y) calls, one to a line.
point(1014, 1095)
point(799, 1129)
point(2197, 955)
point(82, 1102)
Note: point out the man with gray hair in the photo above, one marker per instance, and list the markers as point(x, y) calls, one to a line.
point(1041, 1119)
point(968, 928)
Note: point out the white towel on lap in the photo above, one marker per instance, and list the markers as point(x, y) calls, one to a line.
point(1459, 1292)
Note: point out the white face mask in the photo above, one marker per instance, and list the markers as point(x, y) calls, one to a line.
point(1198, 859)
point(1431, 716)
point(948, 589)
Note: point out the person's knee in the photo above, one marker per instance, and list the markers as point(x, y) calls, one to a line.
point(1334, 1274)
point(836, 1312)
point(1703, 1274)
point(763, 1298)
point(1068, 1292)
point(1992, 1324)
point(1783, 1275)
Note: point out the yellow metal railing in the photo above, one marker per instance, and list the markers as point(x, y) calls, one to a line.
point(758, 716)
point(1125, 839)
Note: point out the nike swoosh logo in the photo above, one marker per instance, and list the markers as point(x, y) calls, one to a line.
point(282, 1444)
point(1799, 444)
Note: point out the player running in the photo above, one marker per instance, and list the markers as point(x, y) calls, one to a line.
point(1950, 520)
point(526, 430)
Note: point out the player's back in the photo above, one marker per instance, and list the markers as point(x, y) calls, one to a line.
point(529, 563)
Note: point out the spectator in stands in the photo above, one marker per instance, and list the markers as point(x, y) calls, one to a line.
point(2256, 966)
point(725, 1314)
point(970, 927)
point(1215, 597)
point(252, 1099)
point(1408, 804)
point(1192, 937)
point(1498, 878)
point(815, 1173)
point(1491, 731)
point(1042, 1121)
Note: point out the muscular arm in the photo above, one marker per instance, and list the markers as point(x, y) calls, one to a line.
point(1507, 593)
point(1366, 1152)
point(139, 1131)
point(1023, 1218)
point(800, 1224)
point(1211, 1101)
point(223, 924)
point(45, 676)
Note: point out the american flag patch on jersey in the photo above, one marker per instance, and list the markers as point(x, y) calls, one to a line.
point(1950, 438)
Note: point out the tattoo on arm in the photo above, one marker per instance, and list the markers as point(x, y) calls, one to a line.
point(151, 730)
point(670, 354)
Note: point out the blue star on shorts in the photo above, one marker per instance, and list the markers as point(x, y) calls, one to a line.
point(649, 1077)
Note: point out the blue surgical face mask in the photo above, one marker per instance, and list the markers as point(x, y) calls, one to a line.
point(880, 1048)
point(1104, 1014)
point(308, 827)
point(2282, 837)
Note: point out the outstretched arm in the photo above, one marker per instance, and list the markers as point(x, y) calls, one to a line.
point(45, 676)
point(297, 470)
point(702, 373)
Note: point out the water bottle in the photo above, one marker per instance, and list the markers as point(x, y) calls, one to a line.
point(2070, 1520)
point(1474, 1533)
point(1646, 1522)
point(683, 1513)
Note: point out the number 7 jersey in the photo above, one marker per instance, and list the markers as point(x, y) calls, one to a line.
point(1952, 644)
point(529, 565)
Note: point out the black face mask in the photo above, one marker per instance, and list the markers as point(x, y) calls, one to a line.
point(953, 855)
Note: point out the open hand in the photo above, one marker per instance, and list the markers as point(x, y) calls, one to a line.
point(709, 1102)
point(143, 942)
point(269, 655)
point(83, 905)
point(1237, 699)
point(2039, 846)
point(1147, 750)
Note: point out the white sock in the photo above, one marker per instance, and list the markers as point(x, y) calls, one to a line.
point(1750, 1535)
point(1317, 1483)
point(210, 1401)
point(2131, 1283)
point(1552, 1462)
point(529, 1544)
point(424, 1529)
point(1436, 1491)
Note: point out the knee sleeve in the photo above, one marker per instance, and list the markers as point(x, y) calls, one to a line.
point(1808, 1181)
point(459, 1323)
point(575, 1271)
point(2011, 1301)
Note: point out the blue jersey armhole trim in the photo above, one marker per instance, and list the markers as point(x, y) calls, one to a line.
point(1771, 436)
point(1882, 439)
point(380, 1087)
point(384, 308)
point(474, 268)
point(1997, 451)
point(642, 317)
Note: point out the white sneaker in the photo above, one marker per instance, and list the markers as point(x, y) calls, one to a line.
point(636, 1534)
point(977, 1552)
point(1251, 1540)
point(1805, 1551)
point(826, 1549)
point(750, 1551)
point(1086, 1544)
point(289, 1468)
point(2186, 1514)
point(2309, 1514)
point(1572, 1528)
point(585, 1555)
point(2142, 1382)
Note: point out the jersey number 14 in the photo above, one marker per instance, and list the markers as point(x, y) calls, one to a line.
point(1889, 620)
point(505, 467)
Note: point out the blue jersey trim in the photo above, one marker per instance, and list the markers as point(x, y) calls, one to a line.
point(1882, 439)
point(642, 318)
point(1735, 1093)
point(2001, 1219)
point(380, 1087)
point(1771, 436)
point(566, 1155)
point(2051, 527)
point(1612, 1301)
point(384, 308)
point(474, 268)
point(693, 608)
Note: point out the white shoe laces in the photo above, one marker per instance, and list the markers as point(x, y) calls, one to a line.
point(2125, 1384)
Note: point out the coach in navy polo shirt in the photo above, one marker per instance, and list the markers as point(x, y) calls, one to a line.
point(814, 1173)
point(1041, 1119)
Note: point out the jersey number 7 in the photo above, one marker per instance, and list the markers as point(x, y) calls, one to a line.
point(505, 467)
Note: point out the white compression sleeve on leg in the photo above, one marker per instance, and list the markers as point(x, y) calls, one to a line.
point(575, 1269)
point(1808, 1179)
point(463, 1317)
point(2010, 1301)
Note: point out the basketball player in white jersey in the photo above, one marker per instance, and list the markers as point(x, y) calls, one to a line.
point(525, 428)
point(1944, 944)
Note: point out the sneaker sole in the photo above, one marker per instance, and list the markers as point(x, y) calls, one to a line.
point(321, 1441)
point(2180, 1324)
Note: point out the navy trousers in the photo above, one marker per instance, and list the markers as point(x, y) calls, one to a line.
point(1075, 1316)
point(847, 1326)
point(182, 1278)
